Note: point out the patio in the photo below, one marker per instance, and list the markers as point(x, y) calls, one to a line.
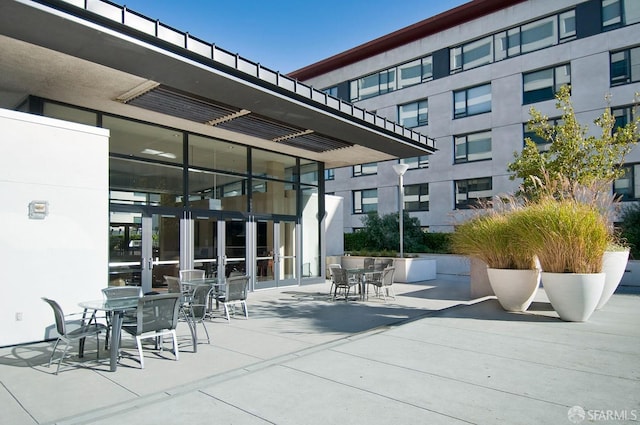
point(431, 356)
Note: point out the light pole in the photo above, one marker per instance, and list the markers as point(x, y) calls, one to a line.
point(400, 169)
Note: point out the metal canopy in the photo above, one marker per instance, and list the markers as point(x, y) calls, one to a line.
point(138, 67)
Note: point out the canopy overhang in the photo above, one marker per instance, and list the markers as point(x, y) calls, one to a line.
point(118, 61)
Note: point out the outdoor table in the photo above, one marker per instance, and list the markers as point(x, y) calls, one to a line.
point(361, 274)
point(117, 307)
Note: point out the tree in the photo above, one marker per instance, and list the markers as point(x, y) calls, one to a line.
point(383, 233)
point(574, 158)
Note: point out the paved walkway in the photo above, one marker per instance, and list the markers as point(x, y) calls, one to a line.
point(432, 356)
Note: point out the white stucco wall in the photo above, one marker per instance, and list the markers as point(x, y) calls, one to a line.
point(65, 255)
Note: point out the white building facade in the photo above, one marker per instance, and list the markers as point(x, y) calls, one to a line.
point(467, 78)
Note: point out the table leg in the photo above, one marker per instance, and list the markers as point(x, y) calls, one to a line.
point(116, 329)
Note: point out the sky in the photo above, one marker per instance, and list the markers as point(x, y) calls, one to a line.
point(287, 35)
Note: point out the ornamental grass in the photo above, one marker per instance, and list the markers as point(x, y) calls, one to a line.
point(491, 239)
point(567, 236)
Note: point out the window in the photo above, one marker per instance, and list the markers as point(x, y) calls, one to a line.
point(331, 91)
point(623, 116)
point(365, 169)
point(545, 83)
point(416, 197)
point(515, 41)
point(391, 79)
point(472, 147)
point(330, 174)
point(625, 66)
point(618, 13)
point(365, 201)
point(472, 101)
point(542, 144)
point(414, 114)
point(472, 192)
point(627, 187)
point(416, 162)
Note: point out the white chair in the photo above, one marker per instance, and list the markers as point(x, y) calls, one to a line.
point(331, 275)
point(157, 315)
point(235, 293)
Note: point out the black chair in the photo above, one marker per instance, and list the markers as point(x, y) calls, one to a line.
point(235, 293)
point(157, 315)
point(197, 312)
point(85, 329)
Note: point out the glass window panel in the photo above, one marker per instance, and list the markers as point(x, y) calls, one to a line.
point(387, 80)
point(538, 86)
point(365, 201)
point(460, 103)
point(353, 88)
point(631, 12)
point(563, 77)
point(500, 46)
point(514, 42)
point(423, 113)
point(619, 67)
point(416, 162)
point(311, 235)
point(460, 149)
point(408, 115)
point(143, 140)
point(611, 13)
point(368, 86)
point(416, 197)
point(479, 99)
point(67, 113)
point(539, 34)
point(145, 183)
point(271, 197)
point(479, 146)
point(455, 59)
point(409, 74)
point(217, 154)
point(208, 190)
point(568, 24)
point(634, 55)
point(427, 68)
point(308, 172)
point(273, 165)
point(478, 53)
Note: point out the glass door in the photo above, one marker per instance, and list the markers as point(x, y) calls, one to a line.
point(143, 248)
point(235, 247)
point(275, 263)
point(207, 245)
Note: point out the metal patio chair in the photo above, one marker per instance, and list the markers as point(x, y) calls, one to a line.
point(85, 328)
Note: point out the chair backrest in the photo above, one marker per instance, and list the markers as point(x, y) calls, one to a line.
point(381, 264)
point(59, 315)
point(332, 270)
point(193, 274)
point(237, 288)
point(173, 284)
point(339, 276)
point(387, 275)
point(199, 301)
point(369, 263)
point(157, 312)
point(115, 292)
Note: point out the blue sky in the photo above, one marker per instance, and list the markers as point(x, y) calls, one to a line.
point(287, 35)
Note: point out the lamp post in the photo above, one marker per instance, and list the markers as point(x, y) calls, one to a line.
point(400, 169)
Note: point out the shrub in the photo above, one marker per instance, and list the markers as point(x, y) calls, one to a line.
point(630, 228)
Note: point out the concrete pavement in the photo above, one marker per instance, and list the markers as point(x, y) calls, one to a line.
point(432, 356)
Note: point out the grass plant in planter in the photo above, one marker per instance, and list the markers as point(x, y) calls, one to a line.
point(569, 239)
point(511, 266)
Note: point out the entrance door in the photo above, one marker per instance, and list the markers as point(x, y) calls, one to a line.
point(275, 254)
point(143, 248)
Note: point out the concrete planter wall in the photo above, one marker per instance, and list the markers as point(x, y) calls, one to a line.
point(407, 269)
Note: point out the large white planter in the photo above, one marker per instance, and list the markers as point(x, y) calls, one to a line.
point(613, 266)
point(515, 289)
point(574, 296)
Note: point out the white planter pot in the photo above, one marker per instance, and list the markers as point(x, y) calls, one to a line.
point(515, 289)
point(574, 296)
point(613, 266)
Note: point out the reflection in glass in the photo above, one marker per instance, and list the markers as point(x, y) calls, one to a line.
point(143, 183)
